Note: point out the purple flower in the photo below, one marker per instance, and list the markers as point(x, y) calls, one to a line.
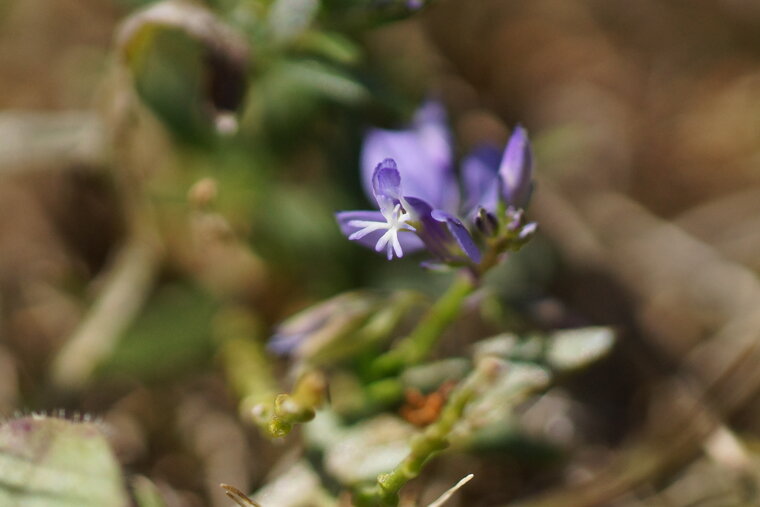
point(407, 223)
point(410, 175)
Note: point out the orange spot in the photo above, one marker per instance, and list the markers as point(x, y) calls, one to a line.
point(421, 409)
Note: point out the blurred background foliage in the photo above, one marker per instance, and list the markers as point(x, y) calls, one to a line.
point(167, 168)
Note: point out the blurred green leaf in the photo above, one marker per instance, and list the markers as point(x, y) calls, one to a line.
point(575, 348)
point(289, 18)
point(170, 337)
point(492, 413)
point(369, 448)
point(168, 76)
point(51, 462)
point(291, 90)
point(185, 63)
point(326, 80)
point(563, 350)
point(331, 45)
point(133, 4)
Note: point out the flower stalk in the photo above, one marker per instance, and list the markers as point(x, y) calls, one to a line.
point(417, 345)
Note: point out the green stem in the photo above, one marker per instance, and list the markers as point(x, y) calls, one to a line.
point(435, 438)
point(418, 344)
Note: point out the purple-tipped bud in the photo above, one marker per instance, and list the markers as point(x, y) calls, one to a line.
point(515, 218)
point(516, 170)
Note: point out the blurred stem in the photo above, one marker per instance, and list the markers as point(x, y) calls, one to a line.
point(126, 287)
point(509, 240)
point(493, 255)
point(417, 345)
point(243, 358)
point(248, 369)
point(433, 439)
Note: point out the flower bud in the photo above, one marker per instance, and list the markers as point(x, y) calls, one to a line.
point(334, 329)
point(486, 223)
point(516, 170)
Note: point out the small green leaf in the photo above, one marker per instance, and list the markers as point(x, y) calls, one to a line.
point(326, 80)
point(321, 80)
point(367, 449)
point(515, 384)
point(563, 350)
point(51, 462)
point(575, 348)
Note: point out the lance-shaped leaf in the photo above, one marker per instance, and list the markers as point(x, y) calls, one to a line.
point(51, 462)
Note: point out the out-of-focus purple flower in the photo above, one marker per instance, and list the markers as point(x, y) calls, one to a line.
point(315, 326)
point(331, 330)
point(410, 174)
point(422, 153)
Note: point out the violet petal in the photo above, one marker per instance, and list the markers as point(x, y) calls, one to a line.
point(480, 179)
point(460, 233)
point(423, 154)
